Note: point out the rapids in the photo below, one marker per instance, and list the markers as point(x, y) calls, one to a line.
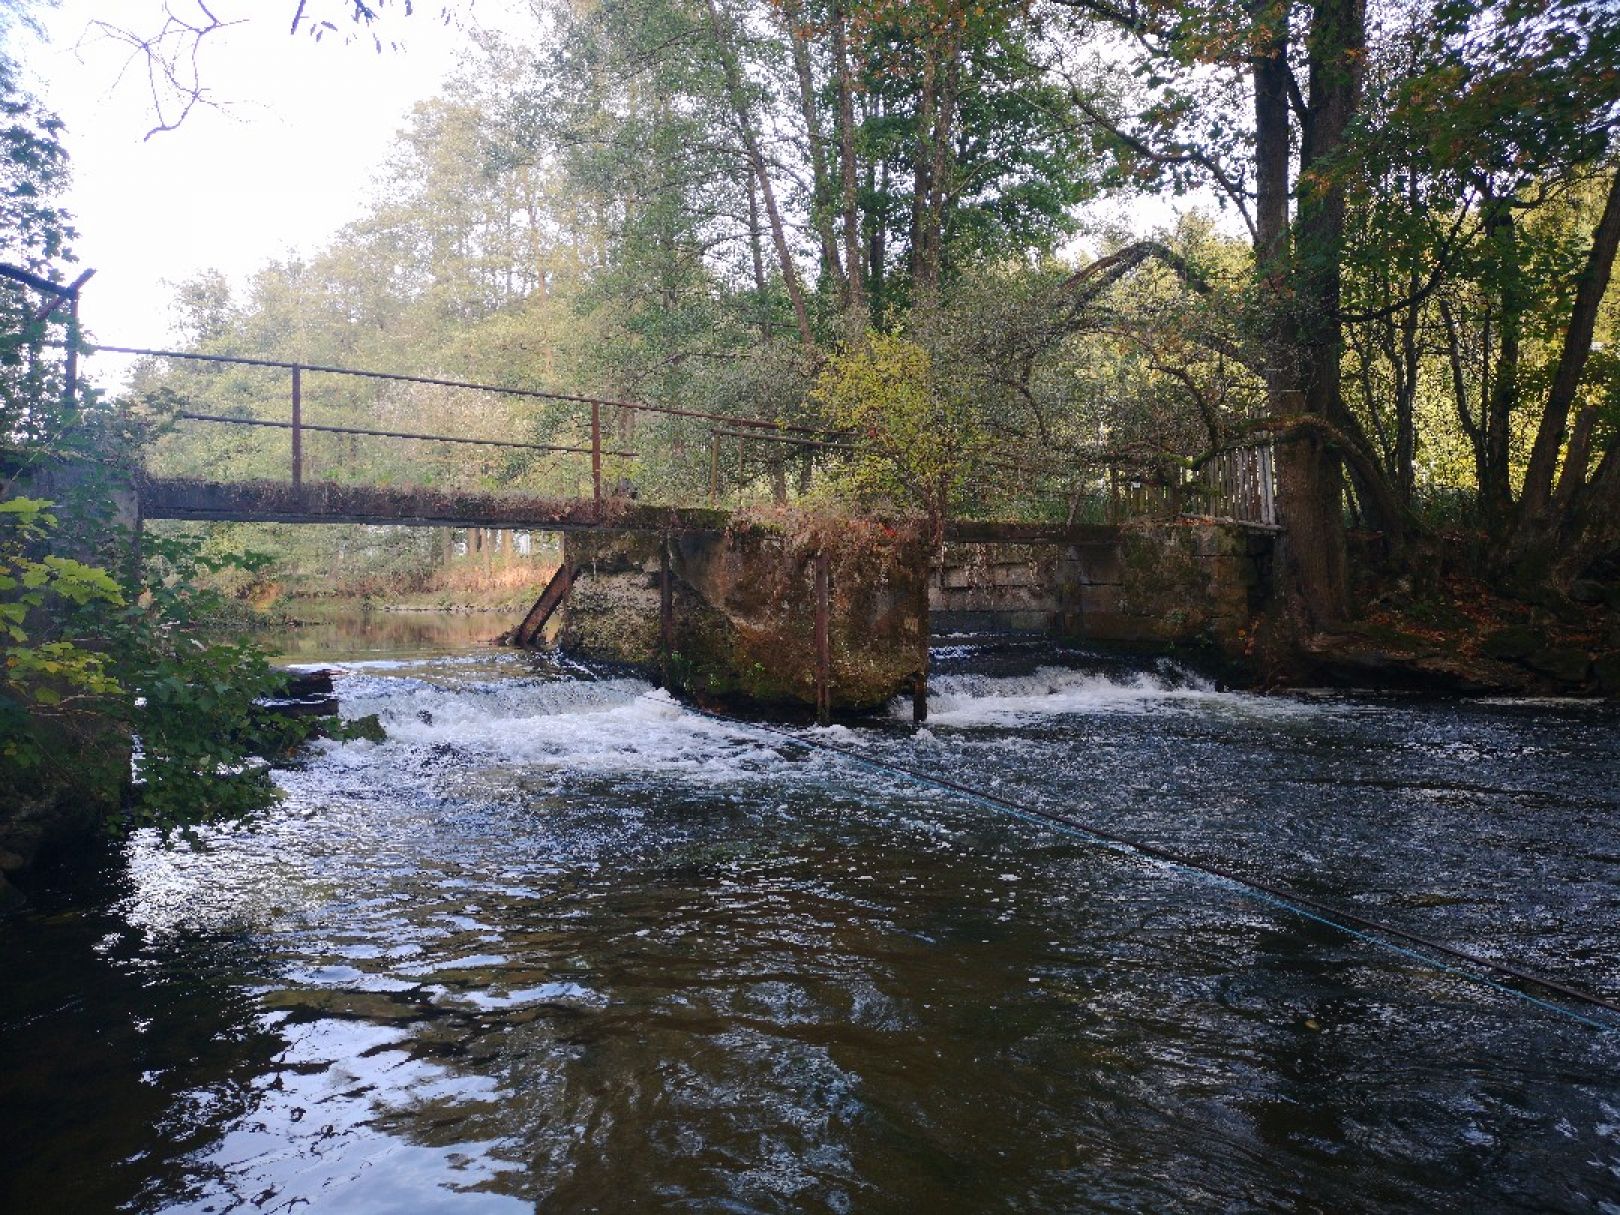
point(561, 944)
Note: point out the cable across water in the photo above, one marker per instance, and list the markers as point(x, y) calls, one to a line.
point(1352, 924)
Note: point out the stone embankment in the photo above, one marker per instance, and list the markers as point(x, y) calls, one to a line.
point(1187, 583)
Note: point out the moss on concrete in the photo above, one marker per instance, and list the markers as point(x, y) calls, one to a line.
point(743, 604)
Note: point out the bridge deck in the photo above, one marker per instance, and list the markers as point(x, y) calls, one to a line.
point(417, 506)
point(404, 506)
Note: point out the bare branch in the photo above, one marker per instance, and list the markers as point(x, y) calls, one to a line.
point(1230, 186)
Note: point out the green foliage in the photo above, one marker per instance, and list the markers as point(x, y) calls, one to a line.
point(35, 234)
point(42, 673)
point(920, 440)
point(89, 656)
point(78, 648)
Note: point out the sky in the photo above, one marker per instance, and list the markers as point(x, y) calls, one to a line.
point(285, 159)
point(284, 162)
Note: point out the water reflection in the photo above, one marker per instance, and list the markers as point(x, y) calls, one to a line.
point(343, 632)
point(559, 945)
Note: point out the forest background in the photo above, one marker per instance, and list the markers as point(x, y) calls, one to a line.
point(881, 219)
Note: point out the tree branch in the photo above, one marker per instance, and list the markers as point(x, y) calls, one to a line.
point(1232, 188)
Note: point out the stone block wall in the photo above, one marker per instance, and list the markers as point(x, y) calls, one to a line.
point(1175, 582)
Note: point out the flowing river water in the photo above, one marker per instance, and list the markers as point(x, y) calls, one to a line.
point(560, 944)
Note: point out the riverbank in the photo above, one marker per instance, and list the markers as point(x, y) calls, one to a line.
point(1466, 638)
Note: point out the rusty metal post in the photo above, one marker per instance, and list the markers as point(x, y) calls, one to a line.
point(714, 469)
point(1113, 493)
point(919, 683)
point(298, 427)
point(666, 614)
point(596, 456)
point(823, 643)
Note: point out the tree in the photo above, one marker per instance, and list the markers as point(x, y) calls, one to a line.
point(919, 442)
point(1497, 89)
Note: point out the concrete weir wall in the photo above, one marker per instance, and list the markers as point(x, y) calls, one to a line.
point(730, 616)
point(1175, 582)
point(739, 625)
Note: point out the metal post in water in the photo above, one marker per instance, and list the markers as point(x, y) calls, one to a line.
point(714, 469)
point(919, 685)
point(298, 427)
point(823, 643)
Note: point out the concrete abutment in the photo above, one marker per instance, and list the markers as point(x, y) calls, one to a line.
point(737, 624)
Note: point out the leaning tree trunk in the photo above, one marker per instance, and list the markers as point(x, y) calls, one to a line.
point(1535, 506)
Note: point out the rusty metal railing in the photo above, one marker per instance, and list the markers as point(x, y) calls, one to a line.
point(760, 427)
point(1238, 485)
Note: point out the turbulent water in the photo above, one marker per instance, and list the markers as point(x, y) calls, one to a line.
point(562, 944)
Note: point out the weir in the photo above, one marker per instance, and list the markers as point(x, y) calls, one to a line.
point(837, 621)
point(794, 611)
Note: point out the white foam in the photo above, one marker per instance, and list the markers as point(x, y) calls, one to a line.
point(986, 700)
point(599, 727)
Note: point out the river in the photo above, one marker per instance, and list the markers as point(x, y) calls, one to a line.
point(560, 944)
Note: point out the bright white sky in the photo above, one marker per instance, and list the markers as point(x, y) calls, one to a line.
point(286, 161)
point(285, 164)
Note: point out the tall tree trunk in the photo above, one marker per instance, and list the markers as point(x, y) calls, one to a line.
point(855, 278)
point(756, 160)
point(762, 296)
point(922, 165)
point(1271, 142)
point(821, 191)
point(1312, 480)
point(940, 174)
point(1589, 291)
point(1459, 391)
point(1406, 398)
point(1496, 491)
point(877, 188)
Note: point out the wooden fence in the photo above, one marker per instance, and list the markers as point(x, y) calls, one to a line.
point(1239, 485)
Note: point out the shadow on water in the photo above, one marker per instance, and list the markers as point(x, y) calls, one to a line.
point(560, 945)
point(118, 1056)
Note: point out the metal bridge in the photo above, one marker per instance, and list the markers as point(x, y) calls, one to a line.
point(1236, 486)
